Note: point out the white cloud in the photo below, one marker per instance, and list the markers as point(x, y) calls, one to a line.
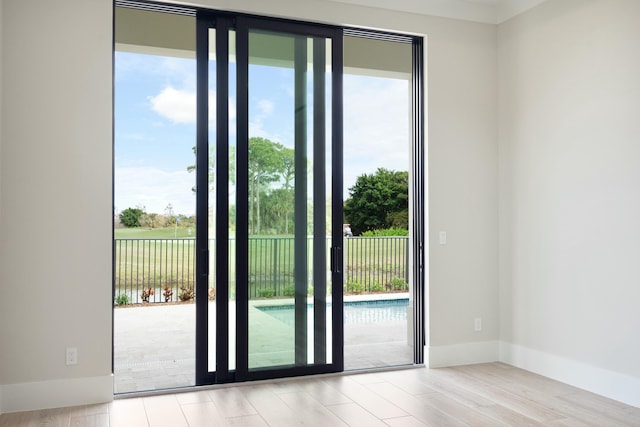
point(137, 137)
point(266, 107)
point(154, 189)
point(179, 106)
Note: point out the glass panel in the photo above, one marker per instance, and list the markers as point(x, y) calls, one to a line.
point(377, 146)
point(287, 190)
point(214, 278)
point(212, 285)
point(154, 136)
point(232, 197)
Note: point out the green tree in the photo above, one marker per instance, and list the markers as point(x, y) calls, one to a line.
point(399, 219)
point(271, 173)
point(269, 163)
point(278, 206)
point(287, 170)
point(377, 201)
point(152, 220)
point(212, 167)
point(130, 217)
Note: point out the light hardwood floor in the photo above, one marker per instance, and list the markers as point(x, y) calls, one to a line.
point(491, 394)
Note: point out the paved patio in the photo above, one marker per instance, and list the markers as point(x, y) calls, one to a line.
point(154, 345)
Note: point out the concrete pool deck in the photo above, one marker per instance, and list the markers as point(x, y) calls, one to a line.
point(154, 345)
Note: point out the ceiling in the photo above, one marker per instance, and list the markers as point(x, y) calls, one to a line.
point(486, 11)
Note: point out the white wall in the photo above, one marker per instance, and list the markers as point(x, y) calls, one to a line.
point(2, 333)
point(569, 99)
point(463, 199)
point(55, 250)
point(56, 188)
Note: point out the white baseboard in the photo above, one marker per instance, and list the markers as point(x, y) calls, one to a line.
point(617, 386)
point(614, 385)
point(463, 354)
point(55, 394)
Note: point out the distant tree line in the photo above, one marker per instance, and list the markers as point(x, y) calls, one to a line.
point(138, 217)
point(376, 201)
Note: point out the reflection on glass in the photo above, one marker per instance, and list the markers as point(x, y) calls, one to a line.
point(271, 172)
point(286, 194)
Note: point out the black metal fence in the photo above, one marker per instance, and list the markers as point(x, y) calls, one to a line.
point(167, 267)
point(376, 264)
point(143, 264)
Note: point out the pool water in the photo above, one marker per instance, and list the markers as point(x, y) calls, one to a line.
point(355, 312)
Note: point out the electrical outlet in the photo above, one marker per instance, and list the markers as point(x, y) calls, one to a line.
point(477, 324)
point(442, 237)
point(72, 356)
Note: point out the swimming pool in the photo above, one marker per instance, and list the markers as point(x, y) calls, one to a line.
point(355, 312)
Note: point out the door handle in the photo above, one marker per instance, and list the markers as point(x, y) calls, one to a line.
point(336, 264)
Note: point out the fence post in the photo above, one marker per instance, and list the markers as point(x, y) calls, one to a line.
point(275, 267)
point(406, 260)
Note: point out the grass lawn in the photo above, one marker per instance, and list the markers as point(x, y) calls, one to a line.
point(152, 258)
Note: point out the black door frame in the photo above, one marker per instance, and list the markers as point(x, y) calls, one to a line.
point(241, 24)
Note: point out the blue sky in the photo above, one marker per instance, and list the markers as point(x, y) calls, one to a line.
point(155, 126)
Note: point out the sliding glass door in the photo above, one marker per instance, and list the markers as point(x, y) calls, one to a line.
point(270, 220)
point(262, 266)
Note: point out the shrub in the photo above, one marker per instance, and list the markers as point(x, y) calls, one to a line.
point(377, 287)
point(289, 291)
point(130, 217)
point(186, 294)
point(355, 287)
point(386, 232)
point(152, 220)
point(122, 299)
point(146, 293)
point(167, 292)
point(398, 284)
point(266, 293)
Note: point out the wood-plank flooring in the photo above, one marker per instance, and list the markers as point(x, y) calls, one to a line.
point(492, 394)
